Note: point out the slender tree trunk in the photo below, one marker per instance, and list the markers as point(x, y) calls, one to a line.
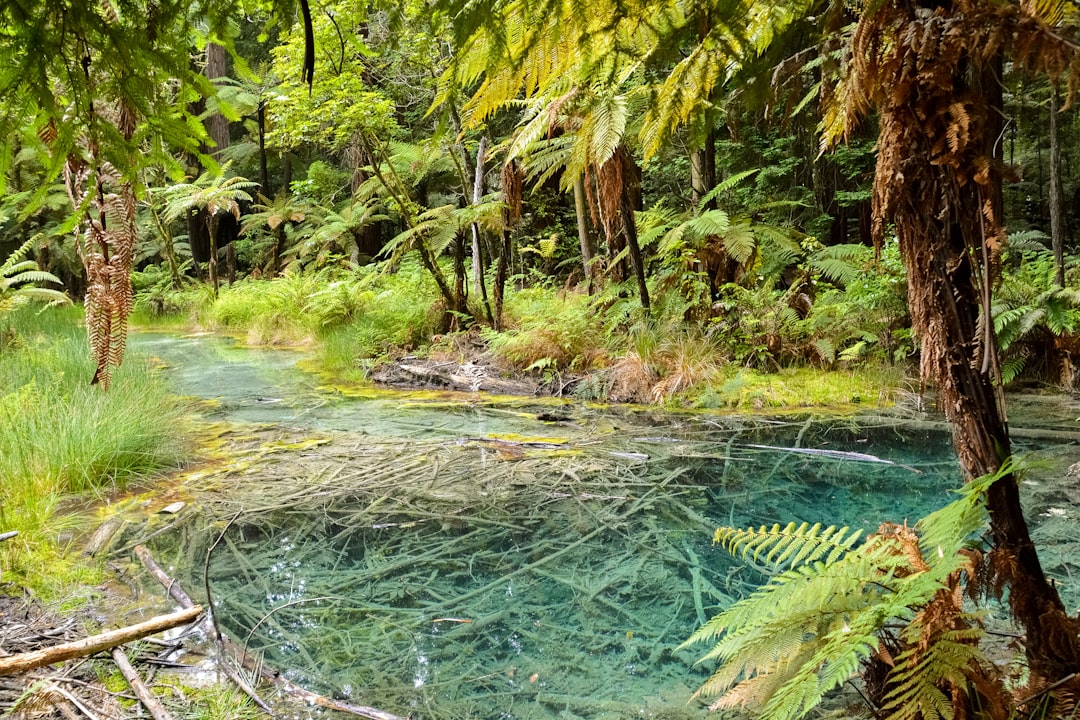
point(478, 268)
point(212, 228)
point(500, 273)
point(230, 262)
point(585, 239)
point(1057, 199)
point(626, 212)
point(460, 305)
point(286, 171)
point(264, 174)
point(636, 259)
point(279, 247)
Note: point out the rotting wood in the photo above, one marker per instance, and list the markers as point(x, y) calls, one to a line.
point(145, 695)
point(103, 536)
point(95, 643)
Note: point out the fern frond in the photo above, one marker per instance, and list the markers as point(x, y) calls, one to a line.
point(728, 184)
point(740, 242)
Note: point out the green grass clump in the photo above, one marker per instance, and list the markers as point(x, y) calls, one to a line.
point(372, 315)
point(61, 436)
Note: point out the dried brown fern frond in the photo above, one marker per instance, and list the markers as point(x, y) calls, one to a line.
point(106, 242)
point(609, 190)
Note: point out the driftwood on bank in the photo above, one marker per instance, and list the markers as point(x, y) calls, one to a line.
point(146, 697)
point(96, 643)
point(178, 594)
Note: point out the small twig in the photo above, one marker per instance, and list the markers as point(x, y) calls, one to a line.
point(206, 577)
point(8, 535)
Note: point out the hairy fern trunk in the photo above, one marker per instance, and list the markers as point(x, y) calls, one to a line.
point(938, 180)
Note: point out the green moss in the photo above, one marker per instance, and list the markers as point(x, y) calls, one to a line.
point(795, 388)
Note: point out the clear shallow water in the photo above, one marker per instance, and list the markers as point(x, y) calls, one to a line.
point(451, 558)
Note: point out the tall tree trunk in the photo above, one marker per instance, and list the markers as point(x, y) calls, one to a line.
point(264, 174)
point(217, 126)
point(585, 239)
point(1057, 199)
point(477, 250)
point(946, 210)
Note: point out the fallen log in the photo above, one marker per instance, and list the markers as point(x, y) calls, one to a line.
point(95, 643)
point(146, 697)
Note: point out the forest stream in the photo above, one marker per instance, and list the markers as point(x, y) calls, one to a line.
point(446, 556)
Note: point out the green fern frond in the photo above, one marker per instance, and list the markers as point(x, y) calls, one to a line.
point(1012, 367)
point(740, 242)
point(1027, 242)
point(802, 543)
point(728, 184)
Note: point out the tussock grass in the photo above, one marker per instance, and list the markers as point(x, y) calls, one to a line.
point(60, 436)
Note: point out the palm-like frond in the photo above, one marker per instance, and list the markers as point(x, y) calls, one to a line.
point(211, 192)
point(18, 277)
point(821, 616)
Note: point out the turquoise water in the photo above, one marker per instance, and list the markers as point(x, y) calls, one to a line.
point(449, 557)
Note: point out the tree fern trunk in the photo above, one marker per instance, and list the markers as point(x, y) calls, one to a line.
point(946, 210)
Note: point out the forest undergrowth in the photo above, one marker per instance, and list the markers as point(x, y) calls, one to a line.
point(758, 354)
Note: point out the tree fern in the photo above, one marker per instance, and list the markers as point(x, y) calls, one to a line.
point(815, 622)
